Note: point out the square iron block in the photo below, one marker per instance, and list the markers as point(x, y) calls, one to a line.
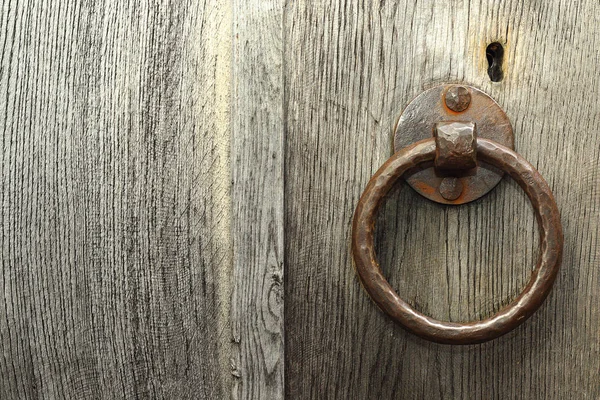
point(456, 146)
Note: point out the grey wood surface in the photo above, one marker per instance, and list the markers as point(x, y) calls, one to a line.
point(350, 69)
point(124, 241)
point(143, 196)
point(257, 192)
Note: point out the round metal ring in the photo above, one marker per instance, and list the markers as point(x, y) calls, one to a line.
point(511, 316)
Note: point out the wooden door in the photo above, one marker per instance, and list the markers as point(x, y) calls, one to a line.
point(178, 180)
point(351, 68)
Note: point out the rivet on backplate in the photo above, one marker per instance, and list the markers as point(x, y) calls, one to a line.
point(451, 188)
point(458, 98)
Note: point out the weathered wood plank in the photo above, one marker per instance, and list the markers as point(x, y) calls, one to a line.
point(115, 199)
point(257, 163)
point(350, 68)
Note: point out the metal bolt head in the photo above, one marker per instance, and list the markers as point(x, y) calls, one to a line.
point(458, 98)
point(451, 188)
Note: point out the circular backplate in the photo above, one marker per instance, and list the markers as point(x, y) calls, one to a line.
point(417, 122)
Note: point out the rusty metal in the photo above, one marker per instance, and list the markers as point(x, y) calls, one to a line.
point(418, 120)
point(455, 147)
point(451, 188)
point(509, 317)
point(458, 98)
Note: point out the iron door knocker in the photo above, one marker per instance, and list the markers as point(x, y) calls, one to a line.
point(466, 156)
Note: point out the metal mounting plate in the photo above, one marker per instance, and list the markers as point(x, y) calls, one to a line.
point(418, 121)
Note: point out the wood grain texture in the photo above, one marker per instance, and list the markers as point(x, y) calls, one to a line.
point(350, 69)
point(115, 200)
point(257, 165)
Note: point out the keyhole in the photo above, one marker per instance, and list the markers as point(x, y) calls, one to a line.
point(495, 53)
